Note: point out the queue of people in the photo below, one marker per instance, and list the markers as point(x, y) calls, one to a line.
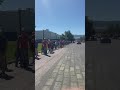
point(26, 43)
point(48, 46)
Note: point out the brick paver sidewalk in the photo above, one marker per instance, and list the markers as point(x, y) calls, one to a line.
point(65, 71)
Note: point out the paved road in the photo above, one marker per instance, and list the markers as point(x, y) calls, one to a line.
point(102, 65)
point(64, 70)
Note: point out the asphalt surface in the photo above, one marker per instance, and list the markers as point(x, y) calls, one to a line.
point(102, 65)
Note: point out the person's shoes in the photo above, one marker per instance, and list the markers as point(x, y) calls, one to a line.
point(31, 64)
point(37, 58)
point(5, 76)
point(16, 66)
point(38, 55)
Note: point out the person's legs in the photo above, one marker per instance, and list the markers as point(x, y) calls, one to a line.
point(45, 51)
point(50, 50)
point(21, 57)
point(26, 62)
point(33, 56)
point(36, 54)
point(3, 64)
point(17, 58)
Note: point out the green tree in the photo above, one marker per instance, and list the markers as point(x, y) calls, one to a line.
point(67, 36)
point(62, 37)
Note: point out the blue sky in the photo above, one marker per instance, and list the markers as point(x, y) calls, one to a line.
point(60, 15)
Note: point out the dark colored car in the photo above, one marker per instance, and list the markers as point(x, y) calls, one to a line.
point(78, 42)
point(105, 40)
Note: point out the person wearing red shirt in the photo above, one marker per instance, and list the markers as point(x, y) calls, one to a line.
point(45, 44)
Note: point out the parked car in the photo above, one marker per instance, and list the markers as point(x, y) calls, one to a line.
point(105, 40)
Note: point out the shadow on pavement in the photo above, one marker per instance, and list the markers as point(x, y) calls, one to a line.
point(30, 69)
point(6, 77)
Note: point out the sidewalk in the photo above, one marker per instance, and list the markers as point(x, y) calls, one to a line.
point(45, 63)
point(22, 80)
point(65, 70)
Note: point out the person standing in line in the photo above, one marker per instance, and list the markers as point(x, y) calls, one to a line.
point(3, 62)
point(24, 45)
point(55, 44)
point(42, 49)
point(45, 47)
point(59, 44)
point(49, 46)
point(18, 54)
point(32, 46)
point(36, 49)
point(52, 46)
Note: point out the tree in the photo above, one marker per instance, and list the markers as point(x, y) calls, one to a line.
point(1, 1)
point(62, 37)
point(67, 36)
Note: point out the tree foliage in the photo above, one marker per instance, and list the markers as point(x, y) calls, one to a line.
point(67, 36)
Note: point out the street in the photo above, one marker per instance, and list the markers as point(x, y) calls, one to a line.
point(64, 70)
point(102, 65)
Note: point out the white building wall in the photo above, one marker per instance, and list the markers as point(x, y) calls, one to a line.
point(47, 34)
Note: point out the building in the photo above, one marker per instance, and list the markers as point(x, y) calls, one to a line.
point(10, 21)
point(101, 26)
point(46, 34)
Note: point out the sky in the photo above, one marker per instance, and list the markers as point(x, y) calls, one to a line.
point(103, 10)
point(60, 15)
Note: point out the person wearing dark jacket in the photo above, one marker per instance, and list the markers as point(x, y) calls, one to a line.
point(18, 54)
point(36, 49)
point(24, 45)
point(32, 46)
point(3, 62)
